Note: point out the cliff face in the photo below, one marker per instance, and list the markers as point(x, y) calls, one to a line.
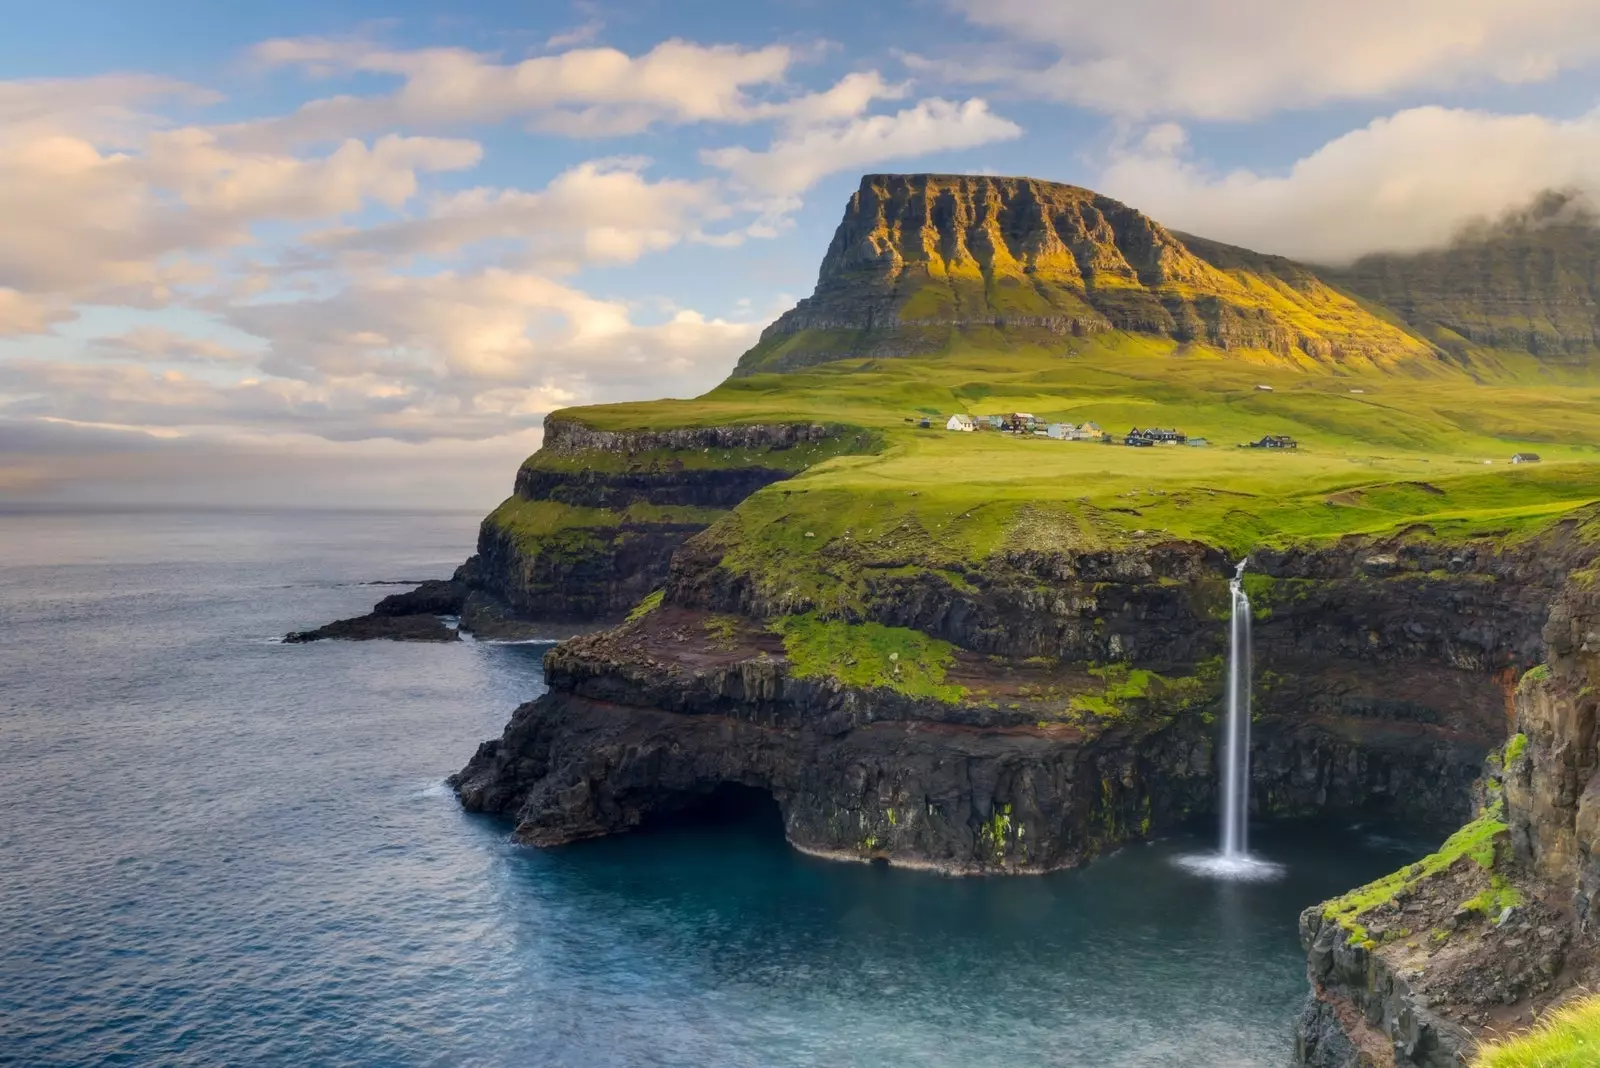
point(1529, 283)
point(595, 516)
point(1030, 751)
point(1490, 938)
point(920, 261)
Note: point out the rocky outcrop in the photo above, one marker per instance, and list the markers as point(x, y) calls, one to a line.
point(412, 616)
point(596, 515)
point(593, 522)
point(374, 627)
point(920, 258)
point(1552, 789)
point(1487, 943)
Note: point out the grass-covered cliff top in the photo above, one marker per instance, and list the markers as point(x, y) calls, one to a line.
point(1377, 453)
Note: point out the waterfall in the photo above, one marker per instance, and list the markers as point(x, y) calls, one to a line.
point(1233, 859)
point(1236, 742)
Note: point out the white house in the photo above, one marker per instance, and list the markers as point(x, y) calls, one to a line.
point(1060, 431)
point(1264, 389)
point(961, 422)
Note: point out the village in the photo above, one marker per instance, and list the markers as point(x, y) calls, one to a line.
point(1027, 424)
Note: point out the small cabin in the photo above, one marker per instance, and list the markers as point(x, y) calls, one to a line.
point(963, 423)
point(1263, 388)
point(1525, 458)
point(1198, 443)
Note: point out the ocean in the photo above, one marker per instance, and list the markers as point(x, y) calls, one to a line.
point(220, 850)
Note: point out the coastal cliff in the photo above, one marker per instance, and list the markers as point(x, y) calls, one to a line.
point(985, 740)
point(1001, 651)
point(1499, 927)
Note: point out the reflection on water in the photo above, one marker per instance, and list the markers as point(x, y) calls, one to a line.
point(219, 849)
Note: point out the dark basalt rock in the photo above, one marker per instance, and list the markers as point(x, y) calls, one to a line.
point(399, 628)
point(437, 597)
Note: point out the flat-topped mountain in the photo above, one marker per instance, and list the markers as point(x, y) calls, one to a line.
point(922, 263)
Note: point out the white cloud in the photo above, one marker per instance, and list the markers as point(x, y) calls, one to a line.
point(24, 314)
point(582, 92)
point(798, 160)
point(1238, 59)
point(413, 359)
point(601, 211)
point(1405, 182)
point(159, 345)
point(90, 223)
point(289, 264)
point(604, 88)
point(473, 334)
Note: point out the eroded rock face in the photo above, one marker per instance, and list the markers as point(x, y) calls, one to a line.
point(1469, 950)
point(1552, 791)
point(918, 257)
point(647, 717)
point(1378, 690)
point(596, 569)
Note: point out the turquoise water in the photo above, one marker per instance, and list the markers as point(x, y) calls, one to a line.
point(219, 850)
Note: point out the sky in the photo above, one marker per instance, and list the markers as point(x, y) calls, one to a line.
point(350, 254)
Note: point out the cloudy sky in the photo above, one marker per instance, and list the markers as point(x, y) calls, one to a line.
point(349, 252)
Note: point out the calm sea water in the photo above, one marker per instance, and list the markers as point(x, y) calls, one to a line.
point(219, 850)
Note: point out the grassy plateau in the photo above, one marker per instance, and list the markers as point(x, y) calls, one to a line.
point(1378, 453)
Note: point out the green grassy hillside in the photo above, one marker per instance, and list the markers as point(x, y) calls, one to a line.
point(1378, 453)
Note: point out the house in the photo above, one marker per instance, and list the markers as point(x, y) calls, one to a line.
point(1060, 431)
point(961, 422)
point(1264, 389)
point(1273, 441)
point(1198, 443)
point(1138, 440)
point(996, 422)
point(1525, 458)
point(1155, 436)
point(1089, 431)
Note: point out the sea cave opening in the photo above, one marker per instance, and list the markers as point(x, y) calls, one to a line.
point(729, 807)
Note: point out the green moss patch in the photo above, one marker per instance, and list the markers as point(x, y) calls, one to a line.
point(869, 655)
point(651, 602)
point(549, 527)
point(1477, 841)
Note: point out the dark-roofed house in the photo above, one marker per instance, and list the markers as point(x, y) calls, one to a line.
point(1525, 458)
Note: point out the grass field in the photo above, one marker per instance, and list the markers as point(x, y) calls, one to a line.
point(1569, 1038)
point(1425, 451)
